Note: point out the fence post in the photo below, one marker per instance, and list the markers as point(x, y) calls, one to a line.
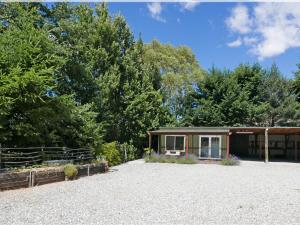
point(125, 153)
point(29, 179)
point(43, 157)
point(32, 178)
point(65, 154)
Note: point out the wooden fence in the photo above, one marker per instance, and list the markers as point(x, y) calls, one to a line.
point(19, 157)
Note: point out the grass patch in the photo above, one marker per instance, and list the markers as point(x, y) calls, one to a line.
point(170, 159)
point(231, 161)
point(70, 171)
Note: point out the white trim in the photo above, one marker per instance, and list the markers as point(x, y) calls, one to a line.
point(175, 142)
point(209, 146)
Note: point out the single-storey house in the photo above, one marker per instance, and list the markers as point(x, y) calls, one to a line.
point(265, 143)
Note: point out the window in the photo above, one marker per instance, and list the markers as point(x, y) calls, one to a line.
point(175, 143)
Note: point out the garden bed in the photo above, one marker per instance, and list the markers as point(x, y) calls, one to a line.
point(39, 176)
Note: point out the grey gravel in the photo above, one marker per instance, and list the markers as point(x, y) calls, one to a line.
point(146, 193)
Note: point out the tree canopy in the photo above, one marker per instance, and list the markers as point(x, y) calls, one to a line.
point(73, 75)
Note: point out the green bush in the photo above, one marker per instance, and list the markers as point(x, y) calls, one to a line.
point(111, 153)
point(231, 161)
point(147, 152)
point(128, 152)
point(70, 171)
point(170, 159)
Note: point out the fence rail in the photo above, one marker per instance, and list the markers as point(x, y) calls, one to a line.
point(19, 157)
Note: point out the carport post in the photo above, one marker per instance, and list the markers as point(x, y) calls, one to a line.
point(266, 146)
point(149, 140)
point(187, 146)
point(260, 146)
point(296, 147)
point(227, 149)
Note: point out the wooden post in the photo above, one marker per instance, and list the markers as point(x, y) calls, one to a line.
point(255, 145)
point(260, 147)
point(187, 146)
point(228, 146)
point(266, 146)
point(43, 155)
point(158, 144)
point(149, 140)
point(33, 178)
point(125, 154)
point(29, 179)
point(285, 147)
point(296, 147)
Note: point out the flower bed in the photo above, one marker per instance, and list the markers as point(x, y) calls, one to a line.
point(232, 160)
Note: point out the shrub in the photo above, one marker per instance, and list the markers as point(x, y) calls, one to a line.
point(147, 152)
point(70, 171)
point(231, 161)
point(170, 159)
point(128, 152)
point(111, 153)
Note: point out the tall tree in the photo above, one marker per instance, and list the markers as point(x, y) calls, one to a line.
point(175, 72)
point(221, 101)
point(30, 61)
point(296, 83)
point(106, 67)
point(282, 108)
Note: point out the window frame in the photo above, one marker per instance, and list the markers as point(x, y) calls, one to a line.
point(175, 135)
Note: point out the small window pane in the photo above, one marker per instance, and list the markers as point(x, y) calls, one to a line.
point(170, 140)
point(204, 147)
point(215, 147)
point(179, 143)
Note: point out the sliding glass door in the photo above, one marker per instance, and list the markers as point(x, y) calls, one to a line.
point(204, 147)
point(210, 147)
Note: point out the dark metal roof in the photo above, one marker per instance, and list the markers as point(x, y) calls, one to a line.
point(190, 130)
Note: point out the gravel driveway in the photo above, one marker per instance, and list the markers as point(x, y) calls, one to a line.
point(140, 193)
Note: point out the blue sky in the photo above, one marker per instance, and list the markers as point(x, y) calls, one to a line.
point(222, 34)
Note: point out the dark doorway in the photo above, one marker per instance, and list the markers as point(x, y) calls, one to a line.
point(154, 143)
point(239, 145)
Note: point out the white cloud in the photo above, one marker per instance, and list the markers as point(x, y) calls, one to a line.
point(249, 41)
point(155, 9)
point(189, 5)
point(239, 21)
point(272, 28)
point(235, 43)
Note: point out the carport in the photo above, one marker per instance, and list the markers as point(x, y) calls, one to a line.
point(265, 143)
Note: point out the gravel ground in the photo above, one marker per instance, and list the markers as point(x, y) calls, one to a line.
point(140, 193)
